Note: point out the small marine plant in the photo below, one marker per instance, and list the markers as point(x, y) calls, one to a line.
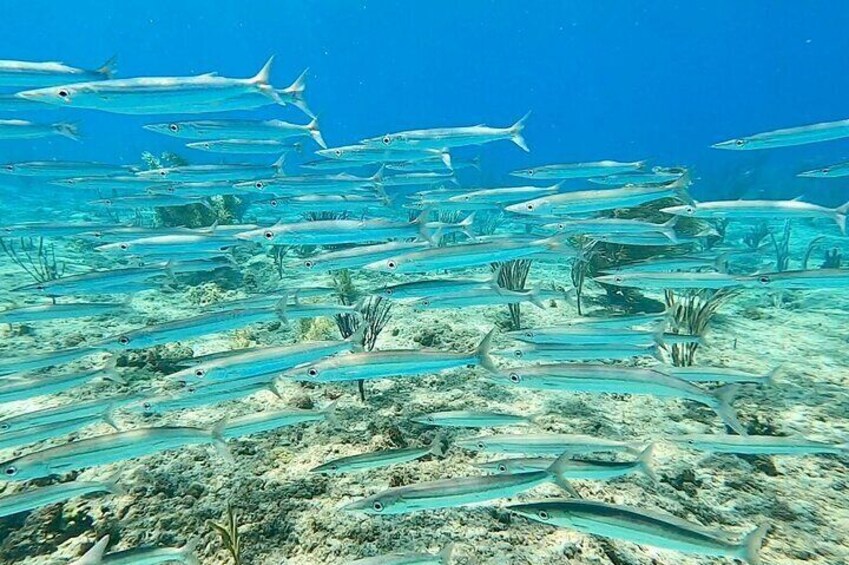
point(754, 238)
point(512, 275)
point(782, 248)
point(487, 223)
point(833, 259)
point(580, 268)
point(811, 246)
point(374, 313)
point(37, 259)
point(229, 534)
point(690, 313)
point(279, 253)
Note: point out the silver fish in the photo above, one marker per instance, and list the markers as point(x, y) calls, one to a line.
point(770, 209)
point(392, 363)
point(38, 497)
point(248, 130)
point(28, 73)
point(801, 135)
point(269, 420)
point(159, 95)
point(453, 493)
point(579, 170)
point(578, 377)
point(758, 444)
point(441, 558)
point(22, 388)
point(106, 449)
point(440, 138)
point(641, 527)
point(53, 312)
point(138, 556)
point(23, 129)
point(469, 419)
point(544, 444)
point(378, 459)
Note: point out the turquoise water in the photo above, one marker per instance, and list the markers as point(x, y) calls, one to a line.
point(476, 284)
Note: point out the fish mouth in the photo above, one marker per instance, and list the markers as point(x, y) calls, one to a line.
point(28, 95)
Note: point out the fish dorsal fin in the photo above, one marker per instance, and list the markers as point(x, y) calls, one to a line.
point(264, 74)
point(95, 554)
point(800, 198)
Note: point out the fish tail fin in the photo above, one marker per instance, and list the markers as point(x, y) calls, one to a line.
point(840, 217)
point(475, 162)
point(71, 131)
point(263, 77)
point(187, 552)
point(721, 263)
point(534, 298)
point(645, 462)
point(219, 441)
point(437, 444)
point(482, 352)
point(107, 69)
point(516, 131)
point(315, 133)
point(444, 554)
point(329, 412)
point(109, 417)
point(95, 554)
point(295, 94)
point(679, 187)
point(773, 376)
point(112, 484)
point(724, 395)
point(280, 309)
point(377, 178)
point(278, 164)
point(445, 155)
point(356, 338)
point(360, 305)
point(466, 226)
point(658, 333)
point(750, 547)
point(557, 471)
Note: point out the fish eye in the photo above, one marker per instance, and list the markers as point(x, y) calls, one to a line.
point(387, 140)
point(273, 203)
point(63, 93)
point(147, 406)
point(338, 153)
point(163, 173)
point(258, 185)
point(529, 334)
point(199, 372)
point(308, 264)
point(123, 340)
point(388, 291)
point(691, 442)
point(517, 353)
point(515, 377)
point(174, 127)
point(429, 418)
point(312, 372)
point(481, 445)
point(4, 427)
point(561, 226)
point(826, 170)
point(529, 206)
point(618, 279)
point(764, 279)
point(124, 246)
point(543, 515)
point(39, 287)
point(739, 142)
point(502, 468)
point(11, 471)
point(391, 264)
point(207, 145)
point(10, 167)
point(531, 172)
point(268, 234)
point(378, 506)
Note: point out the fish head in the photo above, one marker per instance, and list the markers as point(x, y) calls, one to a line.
point(9, 169)
point(334, 152)
point(375, 505)
point(825, 172)
point(422, 304)
point(536, 207)
point(203, 145)
point(616, 279)
point(155, 174)
point(732, 144)
point(58, 95)
point(259, 235)
point(172, 128)
point(479, 443)
point(501, 467)
point(539, 512)
point(391, 265)
point(20, 470)
point(525, 173)
point(120, 247)
point(682, 210)
point(682, 440)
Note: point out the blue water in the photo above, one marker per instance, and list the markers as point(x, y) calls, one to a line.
point(642, 80)
point(624, 80)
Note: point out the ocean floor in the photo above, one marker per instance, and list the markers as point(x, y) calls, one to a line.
point(288, 515)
